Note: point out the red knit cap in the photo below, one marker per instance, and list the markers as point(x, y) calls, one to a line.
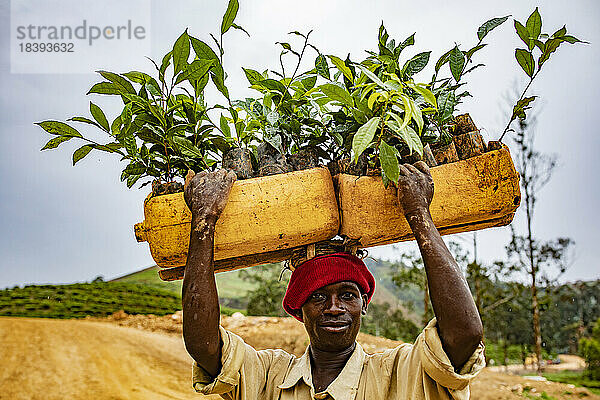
point(322, 271)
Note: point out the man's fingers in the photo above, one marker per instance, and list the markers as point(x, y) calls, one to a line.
point(403, 170)
point(412, 169)
point(421, 166)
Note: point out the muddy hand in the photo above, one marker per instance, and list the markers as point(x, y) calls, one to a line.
point(415, 188)
point(206, 195)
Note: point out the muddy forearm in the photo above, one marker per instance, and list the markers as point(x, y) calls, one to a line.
point(458, 321)
point(201, 312)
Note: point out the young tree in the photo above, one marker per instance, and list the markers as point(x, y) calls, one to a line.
point(590, 350)
point(543, 262)
point(411, 272)
point(266, 299)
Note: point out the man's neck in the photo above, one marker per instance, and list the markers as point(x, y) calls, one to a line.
point(327, 365)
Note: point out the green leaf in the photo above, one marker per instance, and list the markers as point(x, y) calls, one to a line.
point(196, 70)
point(272, 84)
point(322, 67)
point(409, 136)
point(54, 142)
point(134, 168)
point(104, 88)
point(85, 120)
point(524, 35)
point(59, 128)
point(166, 61)
point(275, 141)
point(284, 45)
point(129, 143)
point(186, 148)
point(457, 63)
point(115, 127)
point(525, 60)
point(218, 79)
point(416, 64)
point(339, 63)
point(363, 137)
point(371, 75)
point(337, 93)
point(253, 76)
point(109, 148)
point(126, 115)
point(443, 60)
point(309, 82)
point(142, 78)
point(560, 33)
point(99, 116)
point(488, 26)
point(409, 41)
point(236, 26)
point(473, 50)
point(81, 152)
point(181, 52)
point(225, 126)
point(132, 179)
point(549, 48)
point(417, 115)
point(446, 102)
point(423, 91)
point(202, 50)
point(358, 115)
point(572, 39)
point(389, 161)
point(521, 106)
point(119, 82)
point(534, 24)
point(229, 17)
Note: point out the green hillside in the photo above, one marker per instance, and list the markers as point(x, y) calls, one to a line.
point(232, 288)
point(78, 300)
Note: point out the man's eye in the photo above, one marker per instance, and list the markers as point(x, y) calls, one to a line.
point(317, 296)
point(349, 295)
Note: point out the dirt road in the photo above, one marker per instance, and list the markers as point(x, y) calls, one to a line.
point(74, 359)
point(142, 357)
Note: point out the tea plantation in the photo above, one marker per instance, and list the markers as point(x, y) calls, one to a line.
point(82, 299)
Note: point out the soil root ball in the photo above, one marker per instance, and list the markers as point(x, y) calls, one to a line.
point(240, 162)
point(160, 188)
point(271, 161)
point(469, 145)
point(494, 145)
point(464, 124)
point(303, 159)
point(345, 166)
point(445, 154)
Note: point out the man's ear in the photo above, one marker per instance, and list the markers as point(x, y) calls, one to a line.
point(365, 304)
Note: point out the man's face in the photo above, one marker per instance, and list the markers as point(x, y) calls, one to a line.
point(332, 314)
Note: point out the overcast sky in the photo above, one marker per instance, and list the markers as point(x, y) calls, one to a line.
point(63, 224)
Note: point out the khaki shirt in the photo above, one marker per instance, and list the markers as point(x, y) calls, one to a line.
point(419, 371)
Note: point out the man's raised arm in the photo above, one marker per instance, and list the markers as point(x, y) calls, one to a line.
point(458, 321)
point(206, 195)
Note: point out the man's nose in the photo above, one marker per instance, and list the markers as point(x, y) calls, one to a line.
point(335, 306)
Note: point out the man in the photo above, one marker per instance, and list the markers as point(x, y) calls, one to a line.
point(329, 294)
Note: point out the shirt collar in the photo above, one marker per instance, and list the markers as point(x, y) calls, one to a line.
point(343, 387)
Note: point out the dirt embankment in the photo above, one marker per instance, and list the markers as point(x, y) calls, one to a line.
point(143, 357)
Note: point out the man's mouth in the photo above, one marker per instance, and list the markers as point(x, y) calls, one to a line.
point(335, 326)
